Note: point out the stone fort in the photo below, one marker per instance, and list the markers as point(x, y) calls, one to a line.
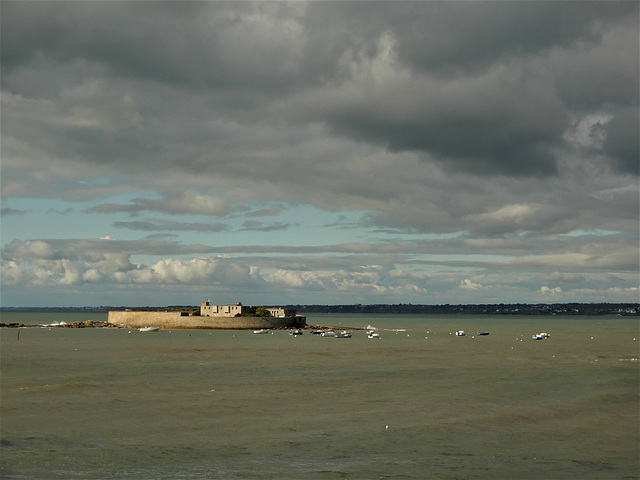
point(236, 316)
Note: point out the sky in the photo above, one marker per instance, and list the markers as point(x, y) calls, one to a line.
point(276, 153)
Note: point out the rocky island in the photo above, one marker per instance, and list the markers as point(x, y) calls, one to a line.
point(236, 316)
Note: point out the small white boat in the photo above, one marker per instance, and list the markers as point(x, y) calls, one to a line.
point(295, 332)
point(149, 329)
point(329, 333)
point(461, 333)
point(261, 331)
point(373, 335)
point(540, 336)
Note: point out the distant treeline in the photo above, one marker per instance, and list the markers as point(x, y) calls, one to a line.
point(632, 309)
point(495, 309)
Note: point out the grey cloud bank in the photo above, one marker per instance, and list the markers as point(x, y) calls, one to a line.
point(466, 151)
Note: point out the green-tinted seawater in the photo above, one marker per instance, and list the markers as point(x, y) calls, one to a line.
point(416, 404)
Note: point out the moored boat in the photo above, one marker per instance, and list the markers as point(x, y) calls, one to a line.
point(540, 336)
point(343, 334)
point(149, 329)
point(261, 331)
point(295, 332)
point(460, 333)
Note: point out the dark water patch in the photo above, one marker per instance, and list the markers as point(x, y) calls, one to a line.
point(80, 385)
point(593, 465)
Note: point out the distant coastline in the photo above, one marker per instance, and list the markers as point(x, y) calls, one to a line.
point(624, 309)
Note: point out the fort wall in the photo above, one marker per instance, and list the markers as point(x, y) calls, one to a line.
point(174, 320)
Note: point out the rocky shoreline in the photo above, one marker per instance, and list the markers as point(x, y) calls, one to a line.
point(92, 324)
point(85, 324)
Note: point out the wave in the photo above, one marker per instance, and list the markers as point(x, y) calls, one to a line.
point(371, 327)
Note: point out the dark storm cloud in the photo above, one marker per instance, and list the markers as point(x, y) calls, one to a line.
point(502, 126)
point(480, 92)
point(511, 107)
point(193, 44)
point(451, 37)
point(622, 140)
point(479, 86)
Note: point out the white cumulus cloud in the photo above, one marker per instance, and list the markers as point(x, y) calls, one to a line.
point(550, 291)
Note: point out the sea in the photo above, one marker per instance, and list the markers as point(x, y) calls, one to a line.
point(417, 403)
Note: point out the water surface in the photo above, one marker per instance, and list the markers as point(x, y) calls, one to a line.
point(418, 403)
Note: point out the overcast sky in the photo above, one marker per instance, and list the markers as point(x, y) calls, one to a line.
point(160, 153)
